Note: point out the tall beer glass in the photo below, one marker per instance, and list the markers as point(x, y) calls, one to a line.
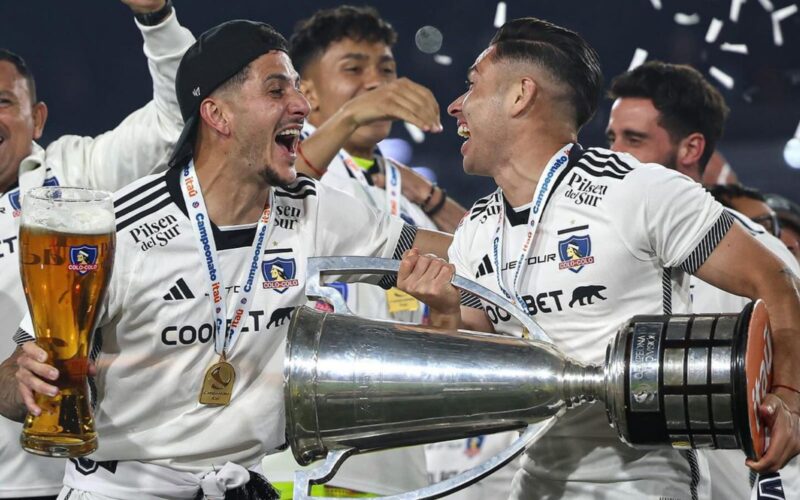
point(67, 238)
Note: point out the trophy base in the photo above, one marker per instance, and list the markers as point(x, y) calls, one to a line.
point(58, 446)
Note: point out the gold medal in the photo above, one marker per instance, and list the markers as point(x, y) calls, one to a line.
point(218, 384)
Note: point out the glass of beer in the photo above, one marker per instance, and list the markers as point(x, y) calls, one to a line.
point(67, 238)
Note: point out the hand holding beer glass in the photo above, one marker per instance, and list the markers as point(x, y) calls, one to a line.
point(67, 238)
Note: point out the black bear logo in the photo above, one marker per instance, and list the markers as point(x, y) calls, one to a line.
point(279, 316)
point(584, 294)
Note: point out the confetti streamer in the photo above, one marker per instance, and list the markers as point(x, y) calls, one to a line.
point(777, 17)
point(417, 135)
point(739, 48)
point(767, 5)
point(656, 4)
point(500, 15)
point(639, 57)
point(443, 59)
point(713, 30)
point(777, 34)
point(736, 7)
point(781, 14)
point(723, 78)
point(686, 19)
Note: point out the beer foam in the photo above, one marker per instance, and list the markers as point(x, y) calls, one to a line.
point(71, 219)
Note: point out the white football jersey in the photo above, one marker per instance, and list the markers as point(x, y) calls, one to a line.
point(155, 336)
point(616, 239)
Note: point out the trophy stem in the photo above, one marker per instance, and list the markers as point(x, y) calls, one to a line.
point(583, 383)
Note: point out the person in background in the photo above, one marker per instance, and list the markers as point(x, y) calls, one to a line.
point(139, 145)
point(670, 115)
point(788, 213)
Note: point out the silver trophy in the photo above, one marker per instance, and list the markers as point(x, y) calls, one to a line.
point(354, 385)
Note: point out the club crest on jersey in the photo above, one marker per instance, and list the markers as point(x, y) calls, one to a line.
point(13, 200)
point(279, 274)
point(83, 259)
point(474, 445)
point(575, 253)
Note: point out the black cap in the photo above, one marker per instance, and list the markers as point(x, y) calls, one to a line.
point(217, 55)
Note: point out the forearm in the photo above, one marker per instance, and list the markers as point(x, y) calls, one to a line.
point(321, 147)
point(782, 299)
point(11, 405)
point(449, 216)
point(444, 211)
point(432, 242)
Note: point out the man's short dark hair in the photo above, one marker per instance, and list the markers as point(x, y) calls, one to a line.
point(686, 101)
point(724, 193)
point(562, 52)
point(22, 69)
point(312, 36)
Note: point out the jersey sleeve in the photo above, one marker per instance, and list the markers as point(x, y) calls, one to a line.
point(663, 215)
point(347, 226)
point(143, 141)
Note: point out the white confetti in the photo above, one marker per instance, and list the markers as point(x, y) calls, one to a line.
point(736, 7)
point(777, 17)
point(725, 79)
point(639, 57)
point(781, 14)
point(417, 135)
point(443, 59)
point(500, 15)
point(686, 19)
point(739, 48)
point(656, 4)
point(713, 30)
point(767, 5)
point(777, 34)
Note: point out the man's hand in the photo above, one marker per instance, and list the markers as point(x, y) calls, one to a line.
point(428, 279)
point(33, 374)
point(780, 412)
point(400, 99)
point(144, 6)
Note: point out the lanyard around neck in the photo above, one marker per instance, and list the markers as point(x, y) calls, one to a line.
point(541, 194)
point(224, 337)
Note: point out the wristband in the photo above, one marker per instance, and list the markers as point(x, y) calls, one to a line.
point(314, 169)
point(154, 18)
point(433, 211)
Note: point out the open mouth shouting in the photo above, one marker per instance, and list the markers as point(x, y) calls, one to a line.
point(288, 138)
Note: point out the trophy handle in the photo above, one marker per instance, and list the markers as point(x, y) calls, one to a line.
point(304, 479)
point(375, 265)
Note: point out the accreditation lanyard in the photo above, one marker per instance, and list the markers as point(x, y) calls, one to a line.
point(198, 214)
point(393, 188)
point(541, 194)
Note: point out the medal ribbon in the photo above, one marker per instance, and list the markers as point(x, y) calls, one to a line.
point(394, 186)
point(541, 194)
point(201, 224)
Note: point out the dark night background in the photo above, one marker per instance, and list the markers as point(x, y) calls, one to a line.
point(86, 56)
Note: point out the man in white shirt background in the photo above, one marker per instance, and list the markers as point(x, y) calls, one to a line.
point(140, 145)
